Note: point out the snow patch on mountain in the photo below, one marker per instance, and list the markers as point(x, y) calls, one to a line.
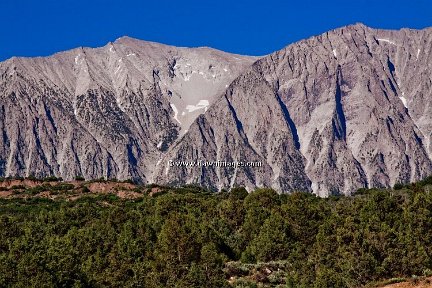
point(386, 40)
point(174, 108)
point(201, 104)
point(404, 101)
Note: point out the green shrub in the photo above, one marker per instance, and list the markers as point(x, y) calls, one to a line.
point(79, 178)
point(32, 177)
point(52, 179)
point(63, 187)
point(238, 193)
point(38, 189)
point(361, 191)
point(398, 186)
point(426, 181)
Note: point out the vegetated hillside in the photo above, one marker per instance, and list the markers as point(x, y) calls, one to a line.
point(56, 189)
point(190, 237)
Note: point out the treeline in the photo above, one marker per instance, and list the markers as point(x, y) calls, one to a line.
point(189, 237)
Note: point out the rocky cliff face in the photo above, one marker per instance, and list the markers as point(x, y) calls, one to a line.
point(106, 112)
point(330, 114)
point(347, 109)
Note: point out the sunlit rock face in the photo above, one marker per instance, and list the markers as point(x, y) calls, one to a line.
point(106, 112)
point(347, 109)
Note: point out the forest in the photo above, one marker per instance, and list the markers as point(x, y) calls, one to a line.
point(191, 237)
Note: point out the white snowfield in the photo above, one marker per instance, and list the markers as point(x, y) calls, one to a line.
point(202, 104)
point(404, 101)
point(386, 40)
point(196, 83)
point(159, 145)
point(174, 108)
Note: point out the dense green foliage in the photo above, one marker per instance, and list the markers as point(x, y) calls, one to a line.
point(187, 237)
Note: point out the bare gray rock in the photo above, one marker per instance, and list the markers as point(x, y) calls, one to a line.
point(347, 109)
point(333, 113)
point(105, 112)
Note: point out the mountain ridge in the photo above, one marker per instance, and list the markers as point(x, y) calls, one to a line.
point(384, 91)
point(354, 66)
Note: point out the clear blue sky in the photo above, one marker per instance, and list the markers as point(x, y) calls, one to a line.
point(42, 27)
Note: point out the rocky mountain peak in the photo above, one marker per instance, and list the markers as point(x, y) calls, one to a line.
point(346, 109)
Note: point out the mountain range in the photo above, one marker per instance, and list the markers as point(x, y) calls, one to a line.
point(347, 109)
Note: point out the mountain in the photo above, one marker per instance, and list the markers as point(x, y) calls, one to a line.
point(105, 112)
point(347, 109)
point(350, 108)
